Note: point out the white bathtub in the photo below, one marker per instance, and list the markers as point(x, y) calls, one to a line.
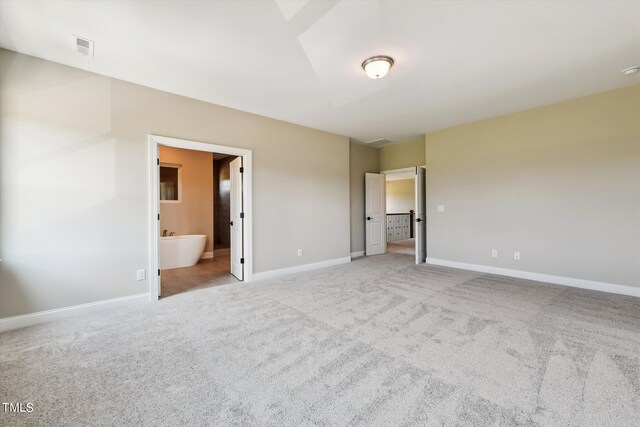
point(181, 251)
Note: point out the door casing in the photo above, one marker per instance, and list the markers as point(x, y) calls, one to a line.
point(420, 215)
point(154, 202)
point(237, 220)
point(414, 170)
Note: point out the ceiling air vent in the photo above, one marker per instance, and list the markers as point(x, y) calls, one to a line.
point(378, 142)
point(83, 46)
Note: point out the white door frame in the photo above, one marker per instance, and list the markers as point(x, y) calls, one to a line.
point(413, 170)
point(236, 218)
point(421, 214)
point(154, 202)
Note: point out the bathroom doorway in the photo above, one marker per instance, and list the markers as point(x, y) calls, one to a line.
point(200, 205)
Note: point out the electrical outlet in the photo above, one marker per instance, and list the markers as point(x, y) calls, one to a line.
point(299, 252)
point(494, 253)
point(516, 255)
point(141, 275)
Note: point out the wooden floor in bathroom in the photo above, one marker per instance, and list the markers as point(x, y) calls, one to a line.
point(206, 273)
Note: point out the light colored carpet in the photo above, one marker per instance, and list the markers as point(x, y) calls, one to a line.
point(375, 342)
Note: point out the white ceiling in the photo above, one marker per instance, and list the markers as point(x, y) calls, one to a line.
point(299, 60)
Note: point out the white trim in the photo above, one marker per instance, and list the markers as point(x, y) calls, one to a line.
point(402, 170)
point(206, 255)
point(199, 146)
point(154, 224)
point(15, 322)
point(154, 205)
point(539, 277)
point(357, 254)
point(300, 268)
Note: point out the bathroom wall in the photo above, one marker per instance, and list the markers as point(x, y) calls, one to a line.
point(74, 183)
point(222, 203)
point(194, 213)
point(401, 195)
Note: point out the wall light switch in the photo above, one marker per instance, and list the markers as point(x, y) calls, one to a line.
point(440, 208)
point(516, 255)
point(141, 275)
point(299, 252)
point(494, 253)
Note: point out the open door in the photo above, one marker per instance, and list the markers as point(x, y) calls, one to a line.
point(237, 218)
point(375, 221)
point(157, 210)
point(421, 216)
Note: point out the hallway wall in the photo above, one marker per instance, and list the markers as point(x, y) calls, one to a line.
point(404, 155)
point(401, 195)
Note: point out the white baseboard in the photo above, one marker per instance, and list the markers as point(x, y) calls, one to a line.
point(357, 254)
point(206, 255)
point(15, 322)
point(300, 268)
point(538, 277)
point(221, 252)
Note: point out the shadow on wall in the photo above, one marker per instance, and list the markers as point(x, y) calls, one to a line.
point(12, 289)
point(62, 191)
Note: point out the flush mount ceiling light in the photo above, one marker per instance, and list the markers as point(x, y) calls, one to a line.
point(377, 67)
point(630, 70)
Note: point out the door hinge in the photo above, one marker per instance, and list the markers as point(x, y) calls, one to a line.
point(158, 272)
point(158, 162)
point(241, 214)
point(241, 169)
point(241, 260)
point(158, 217)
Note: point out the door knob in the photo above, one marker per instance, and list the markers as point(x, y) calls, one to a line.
point(369, 218)
point(418, 219)
point(231, 223)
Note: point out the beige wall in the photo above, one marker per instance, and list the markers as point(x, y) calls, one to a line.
point(194, 213)
point(560, 184)
point(401, 195)
point(404, 155)
point(362, 160)
point(74, 173)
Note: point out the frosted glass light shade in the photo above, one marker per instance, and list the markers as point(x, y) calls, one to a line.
point(377, 67)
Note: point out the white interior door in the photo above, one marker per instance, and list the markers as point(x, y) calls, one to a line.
point(237, 218)
point(157, 244)
point(421, 215)
point(375, 228)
